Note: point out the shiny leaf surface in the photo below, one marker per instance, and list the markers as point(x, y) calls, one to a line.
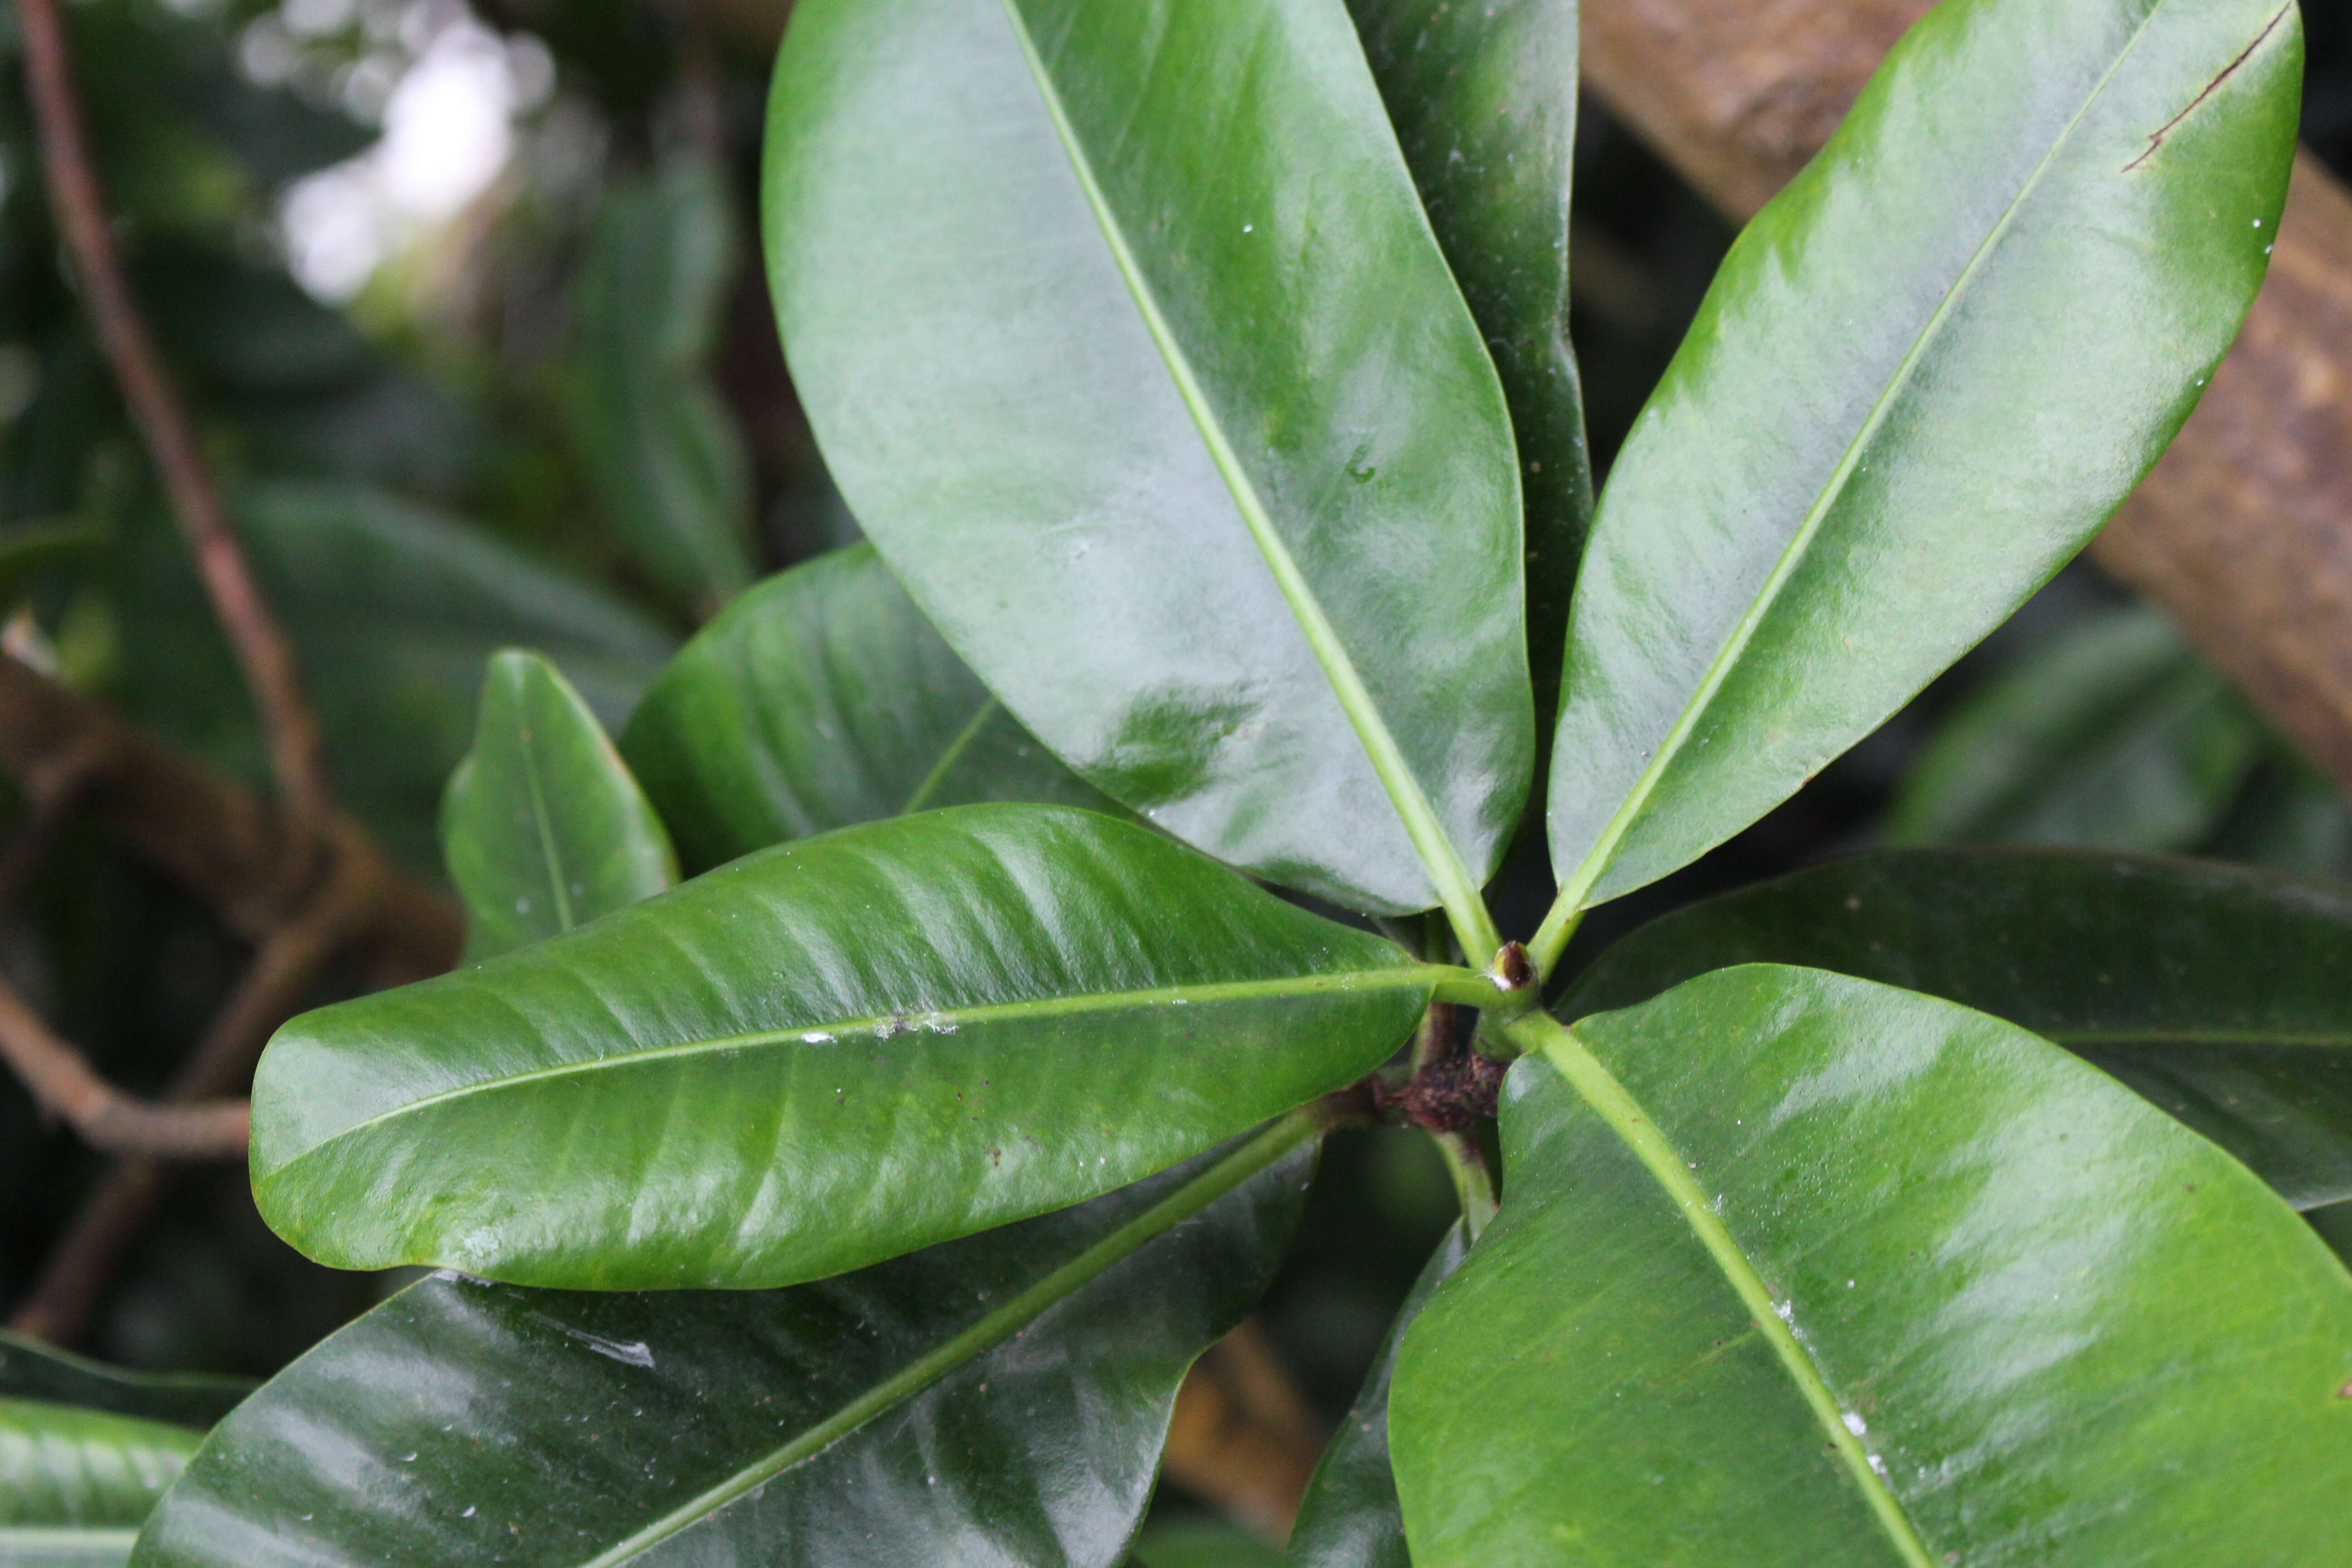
point(75, 1482)
point(662, 454)
point(87, 1448)
point(1350, 1517)
point(2117, 738)
point(1000, 1400)
point(1909, 396)
point(1796, 1270)
point(542, 828)
point(1157, 374)
point(818, 1057)
point(2216, 991)
point(1484, 101)
point(823, 699)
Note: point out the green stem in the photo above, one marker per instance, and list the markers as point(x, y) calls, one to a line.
point(1278, 1139)
point(1466, 1164)
point(1560, 923)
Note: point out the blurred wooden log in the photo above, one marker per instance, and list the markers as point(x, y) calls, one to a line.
point(1242, 1439)
point(2243, 533)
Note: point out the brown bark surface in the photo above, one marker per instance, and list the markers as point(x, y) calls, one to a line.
point(2243, 533)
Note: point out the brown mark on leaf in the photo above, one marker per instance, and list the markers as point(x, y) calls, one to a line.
point(2156, 137)
point(2344, 1392)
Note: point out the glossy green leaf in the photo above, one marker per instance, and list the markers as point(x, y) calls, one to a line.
point(823, 699)
point(2117, 738)
point(76, 1483)
point(1152, 387)
point(999, 1400)
point(87, 1448)
point(32, 1370)
point(1350, 1517)
point(1925, 374)
point(818, 1057)
point(1796, 1270)
point(1484, 101)
point(393, 609)
point(542, 828)
point(2216, 991)
point(1201, 1544)
point(660, 451)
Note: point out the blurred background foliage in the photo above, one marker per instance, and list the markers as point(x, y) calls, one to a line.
point(467, 307)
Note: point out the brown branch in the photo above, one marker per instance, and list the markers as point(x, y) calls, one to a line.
point(2243, 532)
point(64, 1084)
point(209, 833)
point(263, 652)
point(73, 1280)
point(219, 840)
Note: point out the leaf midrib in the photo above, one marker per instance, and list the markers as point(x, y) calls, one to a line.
point(1411, 976)
point(990, 1331)
point(34, 1536)
point(1456, 889)
point(1640, 1132)
point(542, 818)
point(948, 758)
point(1604, 849)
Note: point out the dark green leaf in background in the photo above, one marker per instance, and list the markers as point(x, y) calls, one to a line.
point(2218, 991)
point(1350, 1517)
point(2334, 1223)
point(86, 1449)
point(30, 552)
point(1484, 101)
point(394, 609)
point(999, 1400)
point(1798, 1271)
point(75, 1483)
point(823, 699)
point(2118, 737)
point(819, 1056)
point(662, 454)
point(32, 1370)
point(542, 828)
point(1202, 1544)
point(1153, 388)
point(307, 391)
point(1924, 375)
point(2291, 815)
